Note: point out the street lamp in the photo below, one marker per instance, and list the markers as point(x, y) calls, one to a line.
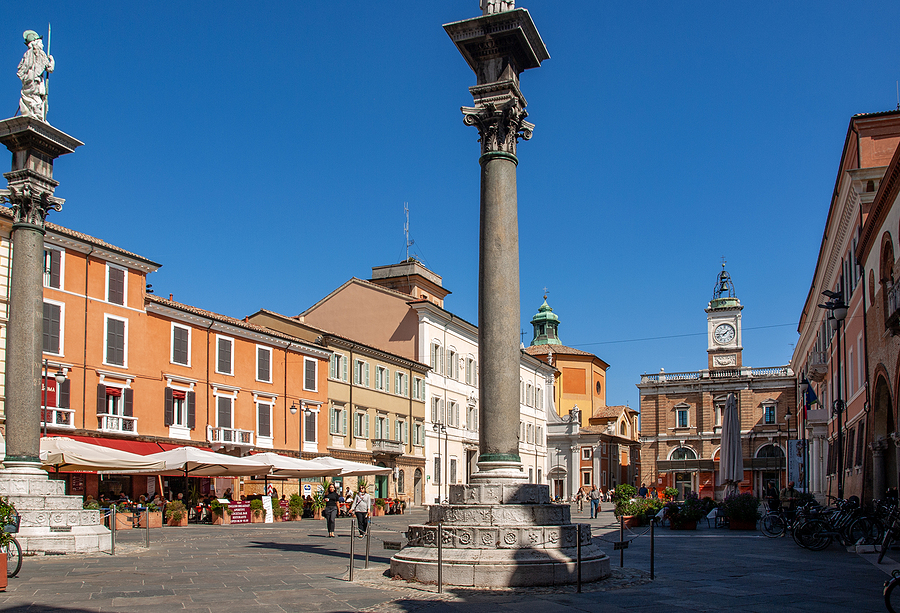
point(804, 387)
point(837, 311)
point(787, 445)
point(440, 428)
point(306, 411)
point(60, 377)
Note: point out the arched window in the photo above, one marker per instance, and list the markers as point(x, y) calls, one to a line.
point(684, 453)
point(770, 451)
point(623, 430)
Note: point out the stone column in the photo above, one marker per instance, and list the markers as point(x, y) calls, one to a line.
point(878, 448)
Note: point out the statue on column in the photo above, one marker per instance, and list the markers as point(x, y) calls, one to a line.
point(35, 62)
point(489, 7)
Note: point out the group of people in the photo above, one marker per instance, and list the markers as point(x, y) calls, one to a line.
point(787, 499)
point(594, 496)
point(360, 505)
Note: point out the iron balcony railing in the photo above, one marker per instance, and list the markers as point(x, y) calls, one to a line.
point(53, 417)
point(229, 436)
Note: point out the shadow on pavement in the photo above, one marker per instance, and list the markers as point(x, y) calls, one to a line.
point(359, 552)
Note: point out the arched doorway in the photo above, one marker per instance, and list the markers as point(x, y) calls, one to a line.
point(381, 484)
point(773, 472)
point(684, 481)
point(884, 453)
point(417, 487)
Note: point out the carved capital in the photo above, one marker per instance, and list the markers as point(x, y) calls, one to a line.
point(30, 206)
point(500, 124)
point(878, 447)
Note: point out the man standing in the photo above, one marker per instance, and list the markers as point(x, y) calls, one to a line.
point(595, 501)
point(789, 498)
point(31, 72)
point(642, 491)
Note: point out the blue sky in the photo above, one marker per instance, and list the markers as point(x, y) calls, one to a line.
point(263, 153)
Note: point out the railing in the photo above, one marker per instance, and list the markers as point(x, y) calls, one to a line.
point(771, 371)
point(57, 418)
point(731, 373)
point(670, 376)
point(117, 423)
point(384, 445)
point(229, 436)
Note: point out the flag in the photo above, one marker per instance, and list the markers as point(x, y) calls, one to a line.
point(811, 397)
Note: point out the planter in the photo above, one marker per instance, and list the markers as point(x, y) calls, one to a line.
point(156, 519)
point(377, 511)
point(737, 524)
point(123, 521)
point(3, 579)
point(633, 521)
point(257, 518)
point(220, 520)
point(685, 525)
point(181, 522)
point(317, 514)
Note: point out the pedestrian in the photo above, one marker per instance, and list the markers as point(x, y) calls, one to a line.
point(771, 496)
point(595, 501)
point(579, 498)
point(331, 508)
point(789, 498)
point(362, 504)
point(642, 491)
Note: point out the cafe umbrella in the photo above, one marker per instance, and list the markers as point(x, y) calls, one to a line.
point(351, 469)
point(731, 455)
point(293, 468)
point(66, 454)
point(195, 462)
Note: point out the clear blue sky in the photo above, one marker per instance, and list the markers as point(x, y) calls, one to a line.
point(262, 152)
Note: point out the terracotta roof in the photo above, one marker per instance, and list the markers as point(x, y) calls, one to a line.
point(81, 236)
point(556, 349)
point(609, 411)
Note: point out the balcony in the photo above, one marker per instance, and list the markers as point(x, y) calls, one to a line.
point(817, 366)
point(57, 418)
point(229, 438)
point(120, 424)
point(386, 446)
point(892, 315)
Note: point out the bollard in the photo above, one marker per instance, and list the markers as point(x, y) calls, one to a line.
point(651, 549)
point(352, 539)
point(578, 562)
point(621, 540)
point(112, 530)
point(368, 540)
point(147, 526)
point(440, 545)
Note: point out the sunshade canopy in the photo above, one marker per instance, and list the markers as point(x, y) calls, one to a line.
point(294, 468)
point(351, 469)
point(65, 454)
point(198, 463)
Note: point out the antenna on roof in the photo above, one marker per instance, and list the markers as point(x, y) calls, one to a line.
point(409, 242)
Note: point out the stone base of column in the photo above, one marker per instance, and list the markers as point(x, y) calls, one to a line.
point(51, 521)
point(501, 534)
point(499, 473)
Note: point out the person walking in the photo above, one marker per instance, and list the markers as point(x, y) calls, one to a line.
point(595, 501)
point(579, 498)
point(362, 504)
point(331, 508)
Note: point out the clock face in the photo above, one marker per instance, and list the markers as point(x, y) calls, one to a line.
point(724, 334)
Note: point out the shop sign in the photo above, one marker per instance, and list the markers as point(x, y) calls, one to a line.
point(240, 512)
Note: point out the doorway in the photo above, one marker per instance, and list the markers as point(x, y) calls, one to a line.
point(684, 483)
point(381, 484)
point(417, 487)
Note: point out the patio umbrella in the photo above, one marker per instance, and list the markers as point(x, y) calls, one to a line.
point(195, 462)
point(351, 469)
point(65, 454)
point(293, 468)
point(731, 455)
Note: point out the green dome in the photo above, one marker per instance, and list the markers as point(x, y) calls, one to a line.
point(545, 324)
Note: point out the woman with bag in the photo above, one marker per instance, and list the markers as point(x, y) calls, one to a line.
point(362, 504)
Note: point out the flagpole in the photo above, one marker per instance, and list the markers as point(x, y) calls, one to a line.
point(47, 78)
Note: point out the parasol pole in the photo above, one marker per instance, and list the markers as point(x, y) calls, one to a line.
point(47, 77)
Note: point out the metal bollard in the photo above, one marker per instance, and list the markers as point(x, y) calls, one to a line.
point(621, 540)
point(368, 541)
point(147, 526)
point(352, 539)
point(578, 562)
point(652, 553)
point(440, 545)
point(112, 530)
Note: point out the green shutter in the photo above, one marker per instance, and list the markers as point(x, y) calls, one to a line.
point(367, 426)
point(344, 416)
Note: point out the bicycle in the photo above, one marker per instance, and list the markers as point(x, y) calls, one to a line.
point(890, 601)
point(13, 549)
point(891, 532)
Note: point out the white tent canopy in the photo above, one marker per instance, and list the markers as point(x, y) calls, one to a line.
point(351, 469)
point(199, 463)
point(62, 453)
point(293, 468)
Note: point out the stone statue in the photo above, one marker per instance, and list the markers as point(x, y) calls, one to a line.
point(33, 102)
point(489, 7)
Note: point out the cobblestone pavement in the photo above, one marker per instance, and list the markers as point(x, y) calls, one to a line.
point(295, 567)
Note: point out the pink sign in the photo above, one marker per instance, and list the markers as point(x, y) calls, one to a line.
point(240, 512)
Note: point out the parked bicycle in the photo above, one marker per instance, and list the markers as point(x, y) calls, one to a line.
point(891, 594)
point(13, 549)
point(845, 522)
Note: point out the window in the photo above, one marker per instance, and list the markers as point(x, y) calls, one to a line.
point(224, 355)
point(337, 421)
point(361, 373)
point(521, 391)
point(56, 396)
point(539, 398)
point(530, 474)
point(382, 379)
point(585, 453)
point(418, 434)
point(453, 413)
point(263, 364)
point(309, 375)
point(769, 414)
point(472, 418)
point(181, 345)
point(179, 407)
point(437, 410)
point(470, 370)
point(400, 432)
point(361, 425)
point(681, 418)
point(115, 402)
point(115, 284)
point(53, 327)
point(683, 453)
point(452, 470)
point(264, 420)
point(585, 477)
point(116, 341)
point(418, 388)
point(224, 406)
point(53, 267)
point(539, 437)
point(437, 358)
point(401, 384)
point(529, 433)
point(401, 482)
point(452, 364)
point(437, 470)
point(338, 367)
point(718, 408)
point(529, 395)
point(382, 427)
point(310, 424)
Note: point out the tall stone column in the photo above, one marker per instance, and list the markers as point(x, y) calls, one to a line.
point(878, 448)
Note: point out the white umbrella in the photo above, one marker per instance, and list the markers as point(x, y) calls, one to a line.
point(351, 469)
point(293, 468)
point(199, 463)
point(63, 453)
point(731, 455)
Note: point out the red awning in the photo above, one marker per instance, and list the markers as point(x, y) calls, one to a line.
point(138, 447)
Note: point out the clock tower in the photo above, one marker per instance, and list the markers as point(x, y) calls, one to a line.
point(723, 317)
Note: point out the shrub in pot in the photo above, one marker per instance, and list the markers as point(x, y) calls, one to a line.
point(8, 517)
point(176, 513)
point(684, 515)
point(621, 496)
point(742, 510)
point(256, 509)
point(295, 507)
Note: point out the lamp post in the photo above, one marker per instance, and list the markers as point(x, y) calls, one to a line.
point(440, 428)
point(787, 445)
point(804, 387)
point(837, 311)
point(60, 377)
point(306, 411)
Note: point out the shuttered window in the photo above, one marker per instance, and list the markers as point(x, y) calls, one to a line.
point(52, 314)
point(264, 364)
point(223, 405)
point(180, 337)
point(224, 355)
point(309, 375)
point(264, 411)
point(53, 268)
point(115, 341)
point(309, 427)
point(115, 285)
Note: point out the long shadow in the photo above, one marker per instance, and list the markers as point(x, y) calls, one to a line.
point(316, 549)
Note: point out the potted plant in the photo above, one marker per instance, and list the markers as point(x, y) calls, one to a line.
point(176, 513)
point(256, 509)
point(275, 511)
point(221, 514)
point(670, 493)
point(742, 511)
point(318, 505)
point(124, 517)
point(684, 515)
point(295, 507)
point(633, 513)
point(379, 507)
point(8, 518)
point(155, 514)
point(621, 496)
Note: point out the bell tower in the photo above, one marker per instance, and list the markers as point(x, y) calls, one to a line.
point(723, 325)
point(546, 325)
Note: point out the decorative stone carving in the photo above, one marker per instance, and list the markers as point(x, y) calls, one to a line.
point(30, 207)
point(725, 360)
point(33, 101)
point(490, 7)
point(500, 124)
